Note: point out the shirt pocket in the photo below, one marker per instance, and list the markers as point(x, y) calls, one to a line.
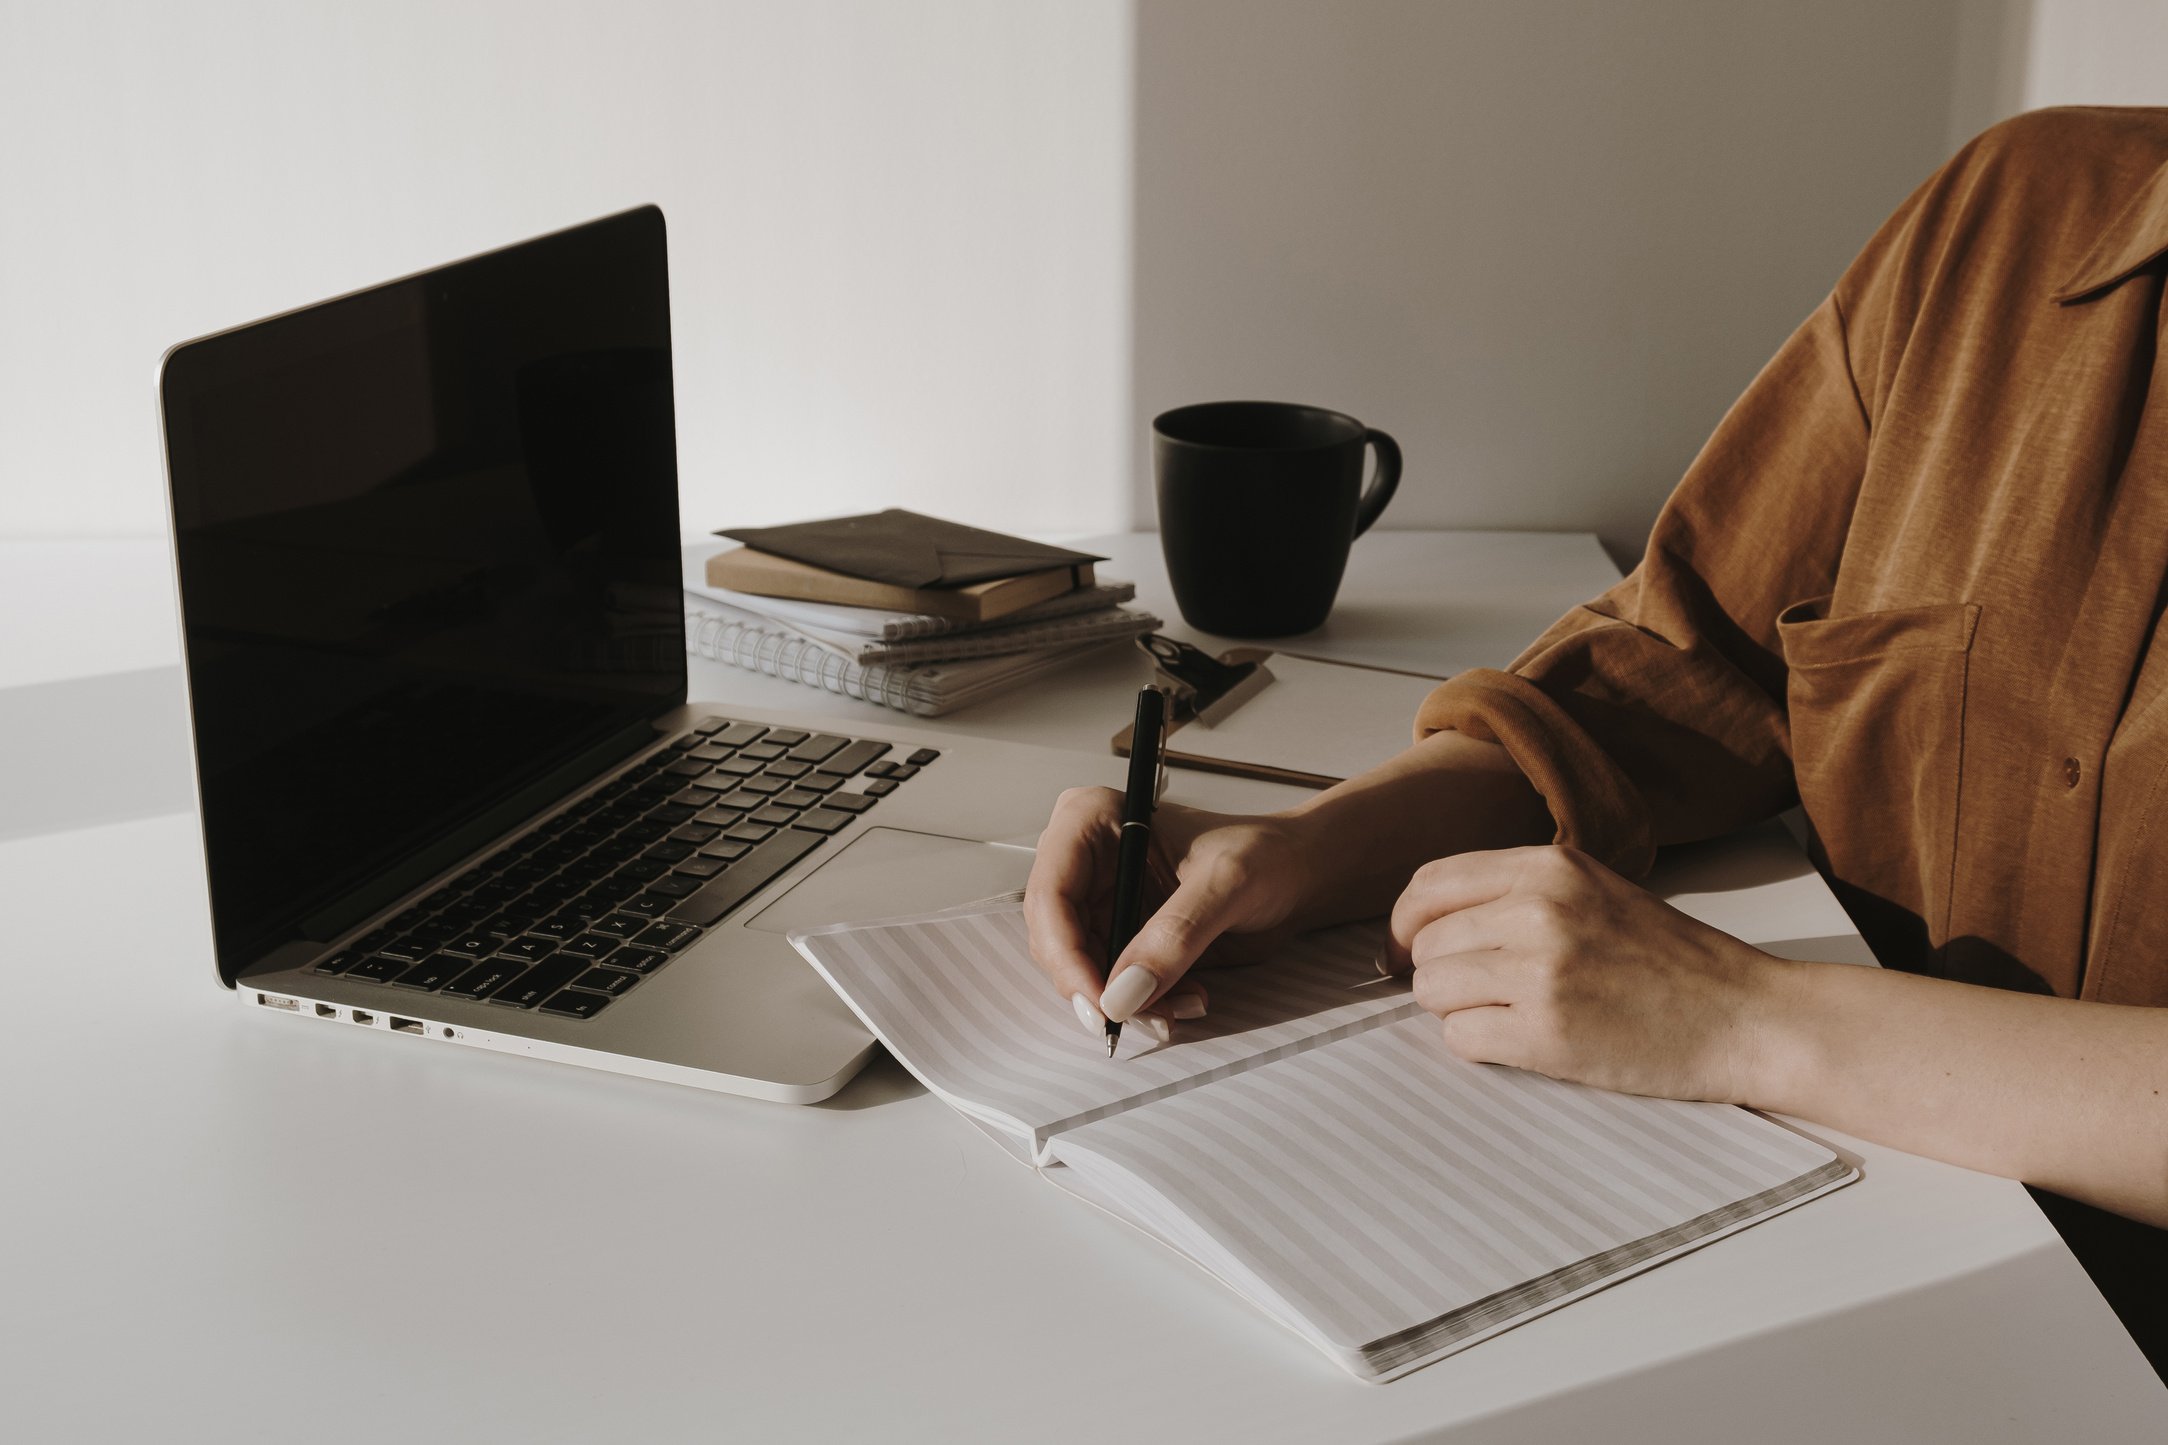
point(1876, 705)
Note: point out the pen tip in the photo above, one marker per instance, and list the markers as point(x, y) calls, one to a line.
point(1111, 1041)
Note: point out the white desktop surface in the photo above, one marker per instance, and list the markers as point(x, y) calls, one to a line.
point(225, 1224)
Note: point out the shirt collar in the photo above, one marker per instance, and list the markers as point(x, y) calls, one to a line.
point(2133, 240)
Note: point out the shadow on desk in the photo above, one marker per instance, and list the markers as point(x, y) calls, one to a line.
point(882, 1081)
point(1909, 1377)
point(95, 750)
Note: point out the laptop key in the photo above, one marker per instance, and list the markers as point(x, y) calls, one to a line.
point(922, 757)
point(483, 979)
point(528, 949)
point(592, 946)
point(637, 958)
point(819, 748)
point(699, 867)
point(881, 787)
point(727, 851)
point(821, 782)
point(694, 798)
point(786, 769)
point(380, 969)
point(433, 972)
point(694, 833)
point(647, 905)
point(708, 725)
point(612, 981)
point(765, 752)
point(539, 982)
point(849, 760)
point(669, 852)
point(737, 768)
point(575, 1004)
point(764, 785)
point(785, 737)
point(673, 886)
point(775, 816)
point(750, 833)
point(796, 798)
point(746, 877)
point(720, 817)
point(737, 735)
point(617, 925)
point(474, 945)
point(848, 802)
point(743, 801)
point(824, 820)
point(667, 936)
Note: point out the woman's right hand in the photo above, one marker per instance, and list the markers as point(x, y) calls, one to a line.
point(1217, 882)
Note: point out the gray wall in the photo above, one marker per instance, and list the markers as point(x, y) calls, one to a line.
point(1545, 243)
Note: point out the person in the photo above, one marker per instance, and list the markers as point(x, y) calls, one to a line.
point(1912, 583)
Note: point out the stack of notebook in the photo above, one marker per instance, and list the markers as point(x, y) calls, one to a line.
point(910, 612)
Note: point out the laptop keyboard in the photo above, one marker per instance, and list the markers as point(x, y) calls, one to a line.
point(596, 899)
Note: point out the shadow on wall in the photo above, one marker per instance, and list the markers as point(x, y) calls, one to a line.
point(1545, 245)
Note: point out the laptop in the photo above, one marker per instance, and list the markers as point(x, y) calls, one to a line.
point(451, 787)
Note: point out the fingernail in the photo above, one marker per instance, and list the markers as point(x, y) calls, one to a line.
point(1188, 1006)
point(1385, 969)
point(1093, 1020)
point(1153, 1027)
point(1131, 987)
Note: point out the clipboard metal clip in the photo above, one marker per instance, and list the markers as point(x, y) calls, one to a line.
point(1204, 688)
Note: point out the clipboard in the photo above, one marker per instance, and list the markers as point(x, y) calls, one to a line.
point(1312, 721)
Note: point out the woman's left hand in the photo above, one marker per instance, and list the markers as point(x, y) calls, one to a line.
point(1544, 959)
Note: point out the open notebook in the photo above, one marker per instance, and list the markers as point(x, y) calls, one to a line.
point(1311, 1142)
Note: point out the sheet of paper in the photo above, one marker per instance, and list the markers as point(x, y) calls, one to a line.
point(1315, 717)
point(957, 998)
point(1400, 1201)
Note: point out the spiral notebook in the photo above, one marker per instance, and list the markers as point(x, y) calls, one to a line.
point(730, 635)
point(1311, 1143)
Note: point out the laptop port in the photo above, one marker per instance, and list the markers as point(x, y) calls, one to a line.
point(326, 1011)
point(406, 1026)
point(272, 1000)
point(363, 1018)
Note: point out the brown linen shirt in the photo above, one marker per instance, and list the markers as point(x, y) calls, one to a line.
point(1913, 581)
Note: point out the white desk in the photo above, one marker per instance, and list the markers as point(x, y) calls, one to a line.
point(223, 1225)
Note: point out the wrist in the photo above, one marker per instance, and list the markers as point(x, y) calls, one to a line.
point(1780, 1056)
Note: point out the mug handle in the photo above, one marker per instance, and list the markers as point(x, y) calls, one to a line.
point(1382, 483)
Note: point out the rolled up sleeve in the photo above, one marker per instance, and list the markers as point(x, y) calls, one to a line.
point(1655, 713)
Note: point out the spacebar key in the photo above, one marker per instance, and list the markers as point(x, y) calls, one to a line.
point(742, 879)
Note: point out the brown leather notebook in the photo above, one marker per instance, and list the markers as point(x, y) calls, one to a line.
point(748, 569)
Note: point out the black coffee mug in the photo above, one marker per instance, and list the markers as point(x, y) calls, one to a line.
point(1258, 503)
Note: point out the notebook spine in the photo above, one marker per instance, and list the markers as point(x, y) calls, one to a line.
point(795, 658)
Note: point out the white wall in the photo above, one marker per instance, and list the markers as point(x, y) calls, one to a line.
point(2095, 52)
point(899, 231)
point(1544, 241)
point(1544, 244)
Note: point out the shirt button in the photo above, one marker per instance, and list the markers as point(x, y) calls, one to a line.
point(2072, 772)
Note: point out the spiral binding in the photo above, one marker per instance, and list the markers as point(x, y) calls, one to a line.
point(802, 660)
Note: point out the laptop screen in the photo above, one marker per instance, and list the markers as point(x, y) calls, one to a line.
point(427, 540)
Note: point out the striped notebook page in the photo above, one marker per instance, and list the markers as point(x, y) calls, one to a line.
point(1312, 1143)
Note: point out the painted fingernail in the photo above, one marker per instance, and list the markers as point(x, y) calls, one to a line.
point(1153, 1027)
point(1094, 1021)
point(1131, 987)
point(1188, 1006)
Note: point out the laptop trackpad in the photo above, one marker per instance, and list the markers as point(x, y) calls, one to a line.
point(887, 872)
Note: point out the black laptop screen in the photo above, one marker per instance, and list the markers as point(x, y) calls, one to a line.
point(427, 538)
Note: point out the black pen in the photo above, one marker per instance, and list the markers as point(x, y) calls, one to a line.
point(1134, 850)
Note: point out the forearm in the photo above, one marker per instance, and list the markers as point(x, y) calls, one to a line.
point(1361, 839)
point(2062, 1094)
